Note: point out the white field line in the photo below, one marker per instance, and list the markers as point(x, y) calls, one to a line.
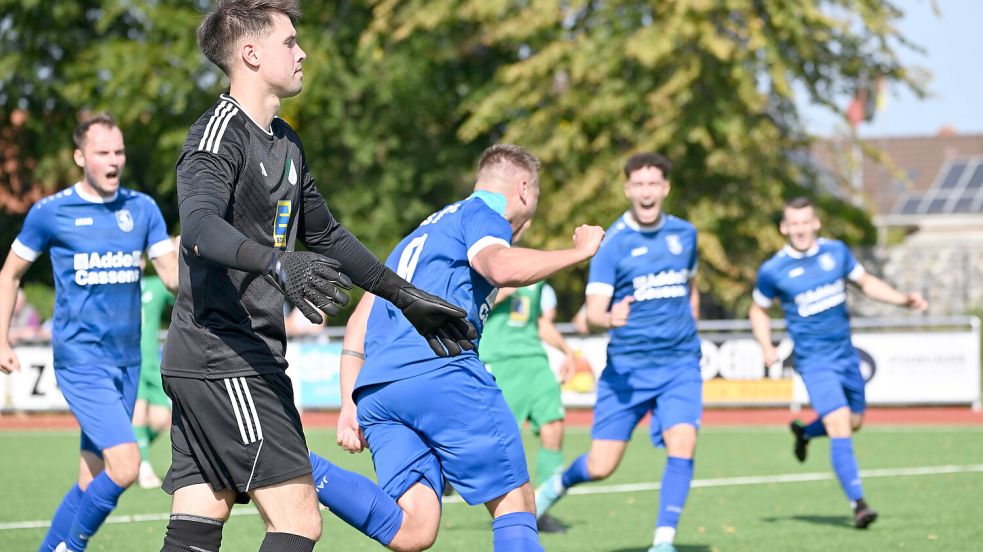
point(604, 489)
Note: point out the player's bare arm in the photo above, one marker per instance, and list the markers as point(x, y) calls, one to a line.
point(552, 337)
point(761, 328)
point(519, 266)
point(600, 316)
point(349, 436)
point(10, 276)
point(879, 290)
point(166, 267)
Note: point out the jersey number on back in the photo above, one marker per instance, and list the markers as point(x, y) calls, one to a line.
point(409, 258)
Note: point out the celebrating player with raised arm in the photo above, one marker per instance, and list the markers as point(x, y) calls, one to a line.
point(96, 232)
point(640, 288)
point(246, 197)
point(809, 277)
point(426, 419)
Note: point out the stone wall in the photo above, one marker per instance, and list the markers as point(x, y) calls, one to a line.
point(948, 273)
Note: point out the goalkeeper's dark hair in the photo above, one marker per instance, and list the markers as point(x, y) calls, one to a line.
point(222, 29)
point(649, 159)
point(509, 154)
point(83, 128)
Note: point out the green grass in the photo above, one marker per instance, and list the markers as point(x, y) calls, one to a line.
point(926, 512)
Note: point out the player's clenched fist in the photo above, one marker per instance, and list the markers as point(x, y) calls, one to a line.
point(618, 316)
point(588, 239)
point(8, 360)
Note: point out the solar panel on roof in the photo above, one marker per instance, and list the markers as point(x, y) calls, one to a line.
point(910, 206)
point(976, 181)
point(964, 205)
point(937, 206)
point(952, 176)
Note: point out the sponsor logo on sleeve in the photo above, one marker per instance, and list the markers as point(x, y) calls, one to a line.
point(280, 223)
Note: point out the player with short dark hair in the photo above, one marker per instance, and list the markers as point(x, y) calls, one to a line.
point(809, 277)
point(96, 233)
point(426, 419)
point(641, 289)
point(246, 197)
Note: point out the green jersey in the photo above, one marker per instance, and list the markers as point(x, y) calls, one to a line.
point(154, 298)
point(512, 329)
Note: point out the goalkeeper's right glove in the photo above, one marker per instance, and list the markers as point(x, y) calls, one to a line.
point(310, 281)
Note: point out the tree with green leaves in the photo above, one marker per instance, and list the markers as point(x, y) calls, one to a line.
point(401, 97)
point(711, 84)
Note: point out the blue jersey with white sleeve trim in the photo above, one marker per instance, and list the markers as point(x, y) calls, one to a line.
point(95, 247)
point(654, 265)
point(436, 257)
point(811, 287)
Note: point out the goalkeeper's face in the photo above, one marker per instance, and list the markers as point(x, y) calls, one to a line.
point(800, 227)
point(282, 58)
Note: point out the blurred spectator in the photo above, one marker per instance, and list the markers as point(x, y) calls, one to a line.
point(26, 322)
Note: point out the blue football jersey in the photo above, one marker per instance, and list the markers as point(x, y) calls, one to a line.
point(95, 248)
point(812, 289)
point(655, 265)
point(436, 257)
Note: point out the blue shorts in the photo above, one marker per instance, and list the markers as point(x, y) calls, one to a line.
point(453, 423)
point(834, 386)
point(101, 398)
point(674, 396)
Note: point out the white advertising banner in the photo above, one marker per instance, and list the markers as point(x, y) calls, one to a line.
point(917, 368)
point(905, 362)
point(33, 387)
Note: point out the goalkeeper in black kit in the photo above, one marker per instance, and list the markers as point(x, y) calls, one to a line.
point(246, 198)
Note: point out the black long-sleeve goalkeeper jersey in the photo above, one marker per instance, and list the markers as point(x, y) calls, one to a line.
point(238, 183)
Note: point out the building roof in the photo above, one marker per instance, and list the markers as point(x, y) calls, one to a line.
point(925, 175)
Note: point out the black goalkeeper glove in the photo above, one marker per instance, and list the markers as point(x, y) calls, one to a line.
point(443, 325)
point(310, 280)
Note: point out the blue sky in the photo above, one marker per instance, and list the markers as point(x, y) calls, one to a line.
point(953, 43)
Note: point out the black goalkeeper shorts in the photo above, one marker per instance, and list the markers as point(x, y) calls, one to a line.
point(237, 433)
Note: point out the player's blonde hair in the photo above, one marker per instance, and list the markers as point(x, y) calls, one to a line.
point(508, 154)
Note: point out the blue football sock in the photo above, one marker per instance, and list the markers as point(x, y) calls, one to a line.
point(845, 466)
point(815, 429)
point(356, 500)
point(576, 473)
point(516, 532)
point(675, 486)
point(93, 509)
point(62, 520)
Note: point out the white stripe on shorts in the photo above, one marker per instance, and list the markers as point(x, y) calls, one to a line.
point(235, 408)
point(246, 414)
point(249, 398)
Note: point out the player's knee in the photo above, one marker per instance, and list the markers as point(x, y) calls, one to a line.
point(600, 468)
point(123, 468)
point(413, 537)
point(307, 525)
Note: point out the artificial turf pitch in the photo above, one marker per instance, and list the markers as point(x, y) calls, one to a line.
point(749, 494)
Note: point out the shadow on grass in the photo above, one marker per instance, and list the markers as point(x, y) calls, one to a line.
point(845, 522)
